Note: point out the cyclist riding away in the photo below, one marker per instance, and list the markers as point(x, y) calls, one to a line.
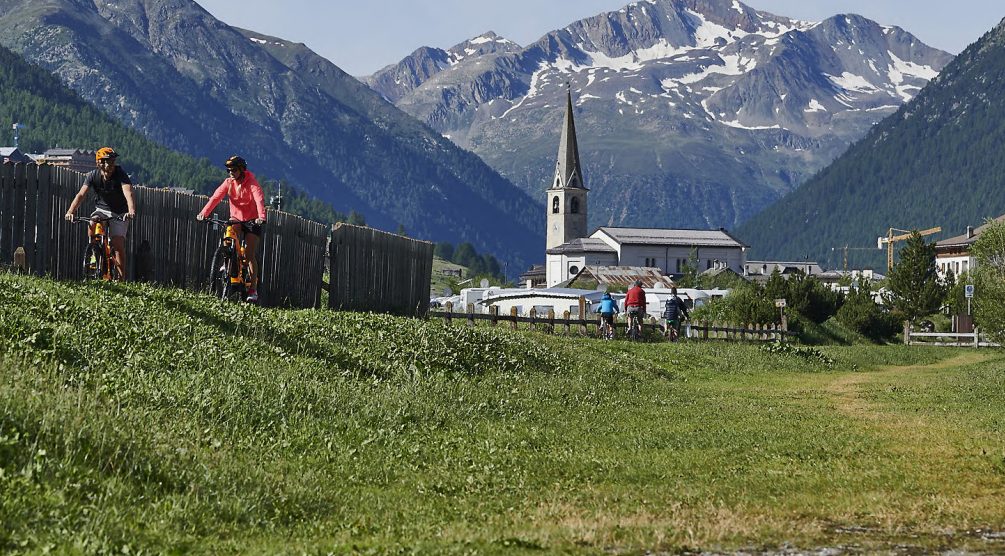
point(672, 311)
point(635, 305)
point(247, 204)
point(608, 307)
point(113, 192)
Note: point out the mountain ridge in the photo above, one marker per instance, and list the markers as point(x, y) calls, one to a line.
point(935, 162)
point(707, 101)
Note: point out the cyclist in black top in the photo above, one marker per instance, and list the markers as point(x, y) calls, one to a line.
point(672, 310)
point(113, 191)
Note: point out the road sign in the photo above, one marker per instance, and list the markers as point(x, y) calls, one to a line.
point(969, 290)
point(779, 303)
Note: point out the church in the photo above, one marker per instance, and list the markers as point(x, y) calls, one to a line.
point(570, 249)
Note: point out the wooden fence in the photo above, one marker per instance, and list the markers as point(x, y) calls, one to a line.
point(550, 322)
point(167, 246)
point(952, 339)
point(373, 270)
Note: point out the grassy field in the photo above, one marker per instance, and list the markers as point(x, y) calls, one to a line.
point(143, 419)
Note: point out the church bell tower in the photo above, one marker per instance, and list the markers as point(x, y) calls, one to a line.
point(566, 203)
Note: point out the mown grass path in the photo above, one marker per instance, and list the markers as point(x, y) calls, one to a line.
point(955, 468)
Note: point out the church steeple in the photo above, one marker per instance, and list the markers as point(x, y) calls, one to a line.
point(568, 170)
point(567, 195)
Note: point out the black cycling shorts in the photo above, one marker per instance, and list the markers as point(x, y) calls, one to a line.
point(252, 228)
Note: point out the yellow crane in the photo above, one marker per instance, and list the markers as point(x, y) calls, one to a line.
point(845, 249)
point(890, 239)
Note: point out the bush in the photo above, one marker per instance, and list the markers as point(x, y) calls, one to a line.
point(860, 313)
point(745, 304)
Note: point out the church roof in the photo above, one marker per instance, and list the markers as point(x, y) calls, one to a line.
point(568, 170)
point(665, 236)
point(582, 245)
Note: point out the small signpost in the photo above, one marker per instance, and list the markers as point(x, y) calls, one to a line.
point(968, 290)
point(780, 303)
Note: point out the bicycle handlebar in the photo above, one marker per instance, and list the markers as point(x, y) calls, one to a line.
point(214, 220)
point(90, 219)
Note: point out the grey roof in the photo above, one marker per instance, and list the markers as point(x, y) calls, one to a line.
point(582, 245)
point(664, 236)
point(64, 152)
point(623, 276)
point(14, 154)
point(965, 240)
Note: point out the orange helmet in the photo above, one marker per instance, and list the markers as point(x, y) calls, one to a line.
point(105, 152)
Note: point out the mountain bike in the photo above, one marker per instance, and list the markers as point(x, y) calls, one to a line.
point(607, 327)
point(672, 331)
point(634, 331)
point(229, 268)
point(99, 254)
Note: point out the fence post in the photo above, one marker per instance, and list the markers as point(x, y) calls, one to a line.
point(471, 314)
point(551, 321)
point(567, 315)
point(977, 336)
point(494, 311)
point(449, 306)
point(907, 332)
point(512, 313)
point(533, 318)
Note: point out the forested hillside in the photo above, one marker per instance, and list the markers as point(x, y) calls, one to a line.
point(938, 161)
point(60, 118)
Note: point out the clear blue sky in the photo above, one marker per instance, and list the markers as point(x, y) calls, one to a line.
point(362, 36)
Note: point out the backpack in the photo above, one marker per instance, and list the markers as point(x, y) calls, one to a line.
point(671, 309)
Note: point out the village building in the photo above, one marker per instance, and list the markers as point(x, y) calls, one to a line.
point(12, 155)
point(954, 254)
point(570, 249)
point(75, 159)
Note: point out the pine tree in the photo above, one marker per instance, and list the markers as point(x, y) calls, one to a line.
point(915, 288)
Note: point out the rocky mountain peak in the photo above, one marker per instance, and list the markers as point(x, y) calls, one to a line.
point(710, 98)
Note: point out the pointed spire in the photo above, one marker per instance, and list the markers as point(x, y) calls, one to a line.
point(568, 171)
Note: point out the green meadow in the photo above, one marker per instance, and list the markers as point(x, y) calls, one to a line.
point(137, 419)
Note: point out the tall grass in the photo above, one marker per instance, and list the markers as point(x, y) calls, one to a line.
point(155, 420)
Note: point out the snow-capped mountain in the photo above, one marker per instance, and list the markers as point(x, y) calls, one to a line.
point(690, 112)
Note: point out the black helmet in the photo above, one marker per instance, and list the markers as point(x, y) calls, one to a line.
point(236, 162)
point(638, 283)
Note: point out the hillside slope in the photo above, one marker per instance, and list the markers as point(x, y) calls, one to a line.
point(59, 117)
point(936, 162)
point(167, 422)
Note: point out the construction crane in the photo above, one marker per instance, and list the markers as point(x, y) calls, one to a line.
point(845, 249)
point(890, 239)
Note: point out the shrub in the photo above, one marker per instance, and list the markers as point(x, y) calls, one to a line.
point(860, 313)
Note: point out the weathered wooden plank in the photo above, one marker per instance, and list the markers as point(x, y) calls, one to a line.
point(28, 239)
point(44, 221)
point(6, 210)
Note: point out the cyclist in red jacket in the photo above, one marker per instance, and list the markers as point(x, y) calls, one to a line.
point(247, 204)
point(635, 305)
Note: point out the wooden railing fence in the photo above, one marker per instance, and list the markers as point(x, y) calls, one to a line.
point(550, 322)
point(166, 245)
point(373, 270)
point(954, 339)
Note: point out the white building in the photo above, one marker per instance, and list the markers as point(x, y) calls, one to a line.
point(569, 249)
point(954, 254)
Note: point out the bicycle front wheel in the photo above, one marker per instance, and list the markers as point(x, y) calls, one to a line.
point(219, 272)
point(94, 262)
